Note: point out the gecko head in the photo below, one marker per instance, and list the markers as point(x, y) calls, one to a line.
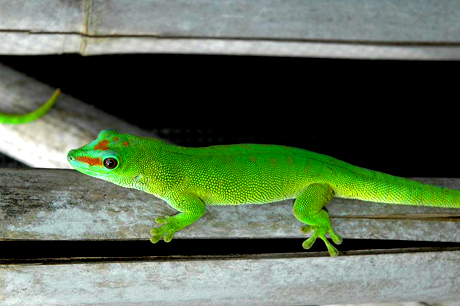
point(107, 157)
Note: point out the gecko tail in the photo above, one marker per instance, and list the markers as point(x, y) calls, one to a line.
point(403, 191)
point(28, 117)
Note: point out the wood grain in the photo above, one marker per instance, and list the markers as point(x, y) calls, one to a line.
point(297, 280)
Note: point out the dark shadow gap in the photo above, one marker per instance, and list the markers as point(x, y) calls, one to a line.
point(29, 250)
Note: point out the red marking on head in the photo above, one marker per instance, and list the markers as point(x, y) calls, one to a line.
point(116, 138)
point(90, 160)
point(103, 145)
point(125, 143)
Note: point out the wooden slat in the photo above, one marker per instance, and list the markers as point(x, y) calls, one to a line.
point(43, 204)
point(296, 280)
point(45, 142)
point(422, 29)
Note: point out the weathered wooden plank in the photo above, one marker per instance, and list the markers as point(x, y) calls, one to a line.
point(35, 44)
point(43, 16)
point(423, 29)
point(298, 280)
point(45, 142)
point(331, 20)
point(66, 205)
point(116, 45)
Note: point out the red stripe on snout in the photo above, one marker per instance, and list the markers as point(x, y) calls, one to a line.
point(90, 160)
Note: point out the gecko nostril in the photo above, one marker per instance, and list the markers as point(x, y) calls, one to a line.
point(70, 155)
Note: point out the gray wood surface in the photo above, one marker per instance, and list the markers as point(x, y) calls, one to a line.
point(70, 124)
point(50, 204)
point(424, 29)
point(297, 280)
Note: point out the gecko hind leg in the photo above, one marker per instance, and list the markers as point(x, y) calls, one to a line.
point(308, 209)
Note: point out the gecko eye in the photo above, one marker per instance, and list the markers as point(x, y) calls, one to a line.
point(110, 163)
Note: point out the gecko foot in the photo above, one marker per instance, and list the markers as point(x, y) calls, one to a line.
point(321, 233)
point(166, 231)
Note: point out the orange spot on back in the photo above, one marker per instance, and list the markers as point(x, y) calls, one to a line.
point(92, 161)
point(103, 145)
point(252, 158)
point(290, 160)
point(116, 138)
point(273, 162)
point(125, 143)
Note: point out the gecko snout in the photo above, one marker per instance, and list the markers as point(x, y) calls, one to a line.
point(70, 155)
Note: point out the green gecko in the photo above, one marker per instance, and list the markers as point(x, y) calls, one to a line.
point(189, 179)
point(28, 117)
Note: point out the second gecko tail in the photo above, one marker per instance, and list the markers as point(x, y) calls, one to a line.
point(28, 117)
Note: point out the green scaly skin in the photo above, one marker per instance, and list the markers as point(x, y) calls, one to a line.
point(26, 118)
point(188, 179)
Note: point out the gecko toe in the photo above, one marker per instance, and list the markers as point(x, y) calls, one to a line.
point(155, 238)
point(162, 220)
point(310, 241)
point(169, 236)
point(336, 238)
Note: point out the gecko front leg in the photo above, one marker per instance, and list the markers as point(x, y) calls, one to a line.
point(190, 207)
